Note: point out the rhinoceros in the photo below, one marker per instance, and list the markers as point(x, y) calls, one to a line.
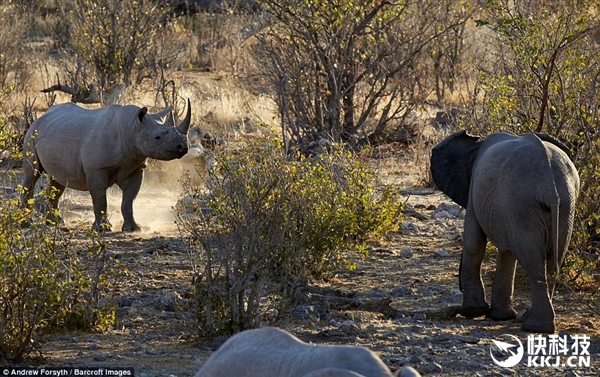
point(272, 352)
point(91, 150)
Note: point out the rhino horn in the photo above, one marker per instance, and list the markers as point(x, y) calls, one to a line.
point(184, 126)
point(161, 114)
point(166, 116)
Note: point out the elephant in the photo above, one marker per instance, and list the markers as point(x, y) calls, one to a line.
point(519, 192)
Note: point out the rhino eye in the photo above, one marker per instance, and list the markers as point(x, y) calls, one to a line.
point(157, 137)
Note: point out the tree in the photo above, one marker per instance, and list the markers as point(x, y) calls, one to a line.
point(545, 77)
point(116, 43)
point(344, 70)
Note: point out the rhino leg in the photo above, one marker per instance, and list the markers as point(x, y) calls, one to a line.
point(30, 177)
point(53, 201)
point(97, 186)
point(130, 187)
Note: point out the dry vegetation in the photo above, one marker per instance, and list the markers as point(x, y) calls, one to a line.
point(249, 76)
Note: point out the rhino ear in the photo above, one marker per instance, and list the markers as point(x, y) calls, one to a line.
point(452, 163)
point(142, 113)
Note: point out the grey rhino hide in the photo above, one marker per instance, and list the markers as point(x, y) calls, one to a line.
point(90, 150)
point(271, 352)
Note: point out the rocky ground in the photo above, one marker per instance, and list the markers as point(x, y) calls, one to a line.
point(400, 301)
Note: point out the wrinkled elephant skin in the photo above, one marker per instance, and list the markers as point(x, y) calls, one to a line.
point(520, 193)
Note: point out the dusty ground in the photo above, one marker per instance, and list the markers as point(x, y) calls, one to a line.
point(416, 267)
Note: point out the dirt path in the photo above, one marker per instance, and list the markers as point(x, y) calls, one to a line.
point(416, 268)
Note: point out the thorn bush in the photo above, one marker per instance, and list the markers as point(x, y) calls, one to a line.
point(44, 284)
point(267, 223)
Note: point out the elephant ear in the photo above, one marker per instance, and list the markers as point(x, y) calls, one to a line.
point(452, 163)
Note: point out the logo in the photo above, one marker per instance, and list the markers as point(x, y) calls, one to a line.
point(513, 350)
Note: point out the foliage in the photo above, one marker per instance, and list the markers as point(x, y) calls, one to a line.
point(545, 78)
point(44, 284)
point(344, 70)
point(14, 72)
point(124, 41)
point(269, 223)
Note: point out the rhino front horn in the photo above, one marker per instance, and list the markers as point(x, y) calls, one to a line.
point(184, 126)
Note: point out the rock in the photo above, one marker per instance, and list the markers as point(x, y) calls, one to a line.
point(406, 253)
point(589, 324)
point(453, 210)
point(100, 357)
point(305, 312)
point(93, 347)
point(377, 292)
point(442, 253)
point(402, 292)
point(409, 227)
point(167, 300)
point(432, 367)
point(442, 215)
point(124, 301)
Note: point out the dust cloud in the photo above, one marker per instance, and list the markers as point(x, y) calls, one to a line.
point(153, 209)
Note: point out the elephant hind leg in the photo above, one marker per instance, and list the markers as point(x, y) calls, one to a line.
point(503, 287)
point(540, 318)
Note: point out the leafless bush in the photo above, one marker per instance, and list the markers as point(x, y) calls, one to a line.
point(14, 58)
point(221, 39)
point(344, 71)
point(111, 45)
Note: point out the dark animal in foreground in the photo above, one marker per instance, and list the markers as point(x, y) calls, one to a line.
point(91, 150)
point(271, 352)
point(520, 192)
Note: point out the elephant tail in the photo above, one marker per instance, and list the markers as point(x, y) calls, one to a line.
point(555, 216)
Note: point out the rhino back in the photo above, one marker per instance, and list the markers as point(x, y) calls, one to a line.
point(70, 141)
point(270, 352)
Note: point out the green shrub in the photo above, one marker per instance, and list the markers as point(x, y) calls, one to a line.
point(44, 285)
point(539, 80)
point(268, 223)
